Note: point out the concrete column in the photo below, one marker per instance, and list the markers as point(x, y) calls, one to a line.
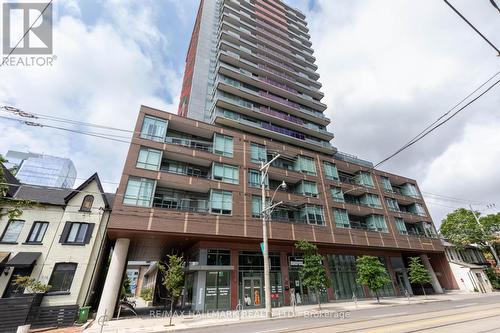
point(434, 280)
point(112, 285)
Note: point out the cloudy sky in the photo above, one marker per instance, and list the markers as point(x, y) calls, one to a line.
point(388, 68)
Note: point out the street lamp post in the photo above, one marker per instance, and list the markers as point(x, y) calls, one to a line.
point(266, 212)
point(492, 248)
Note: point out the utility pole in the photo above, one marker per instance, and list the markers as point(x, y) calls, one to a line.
point(266, 212)
point(492, 248)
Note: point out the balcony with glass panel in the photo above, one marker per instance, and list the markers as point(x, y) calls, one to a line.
point(175, 199)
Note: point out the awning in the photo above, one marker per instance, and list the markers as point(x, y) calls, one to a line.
point(23, 259)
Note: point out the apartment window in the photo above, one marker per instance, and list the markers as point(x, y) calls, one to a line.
point(223, 145)
point(306, 165)
point(410, 190)
point(429, 230)
point(76, 233)
point(419, 209)
point(62, 277)
point(371, 200)
point(341, 218)
point(401, 226)
point(258, 153)
point(331, 172)
point(309, 189)
point(337, 194)
point(221, 202)
point(226, 173)
point(87, 203)
point(254, 179)
point(37, 232)
point(149, 159)
point(12, 231)
point(364, 178)
point(386, 183)
point(256, 206)
point(376, 223)
point(139, 192)
point(312, 214)
point(154, 129)
point(392, 204)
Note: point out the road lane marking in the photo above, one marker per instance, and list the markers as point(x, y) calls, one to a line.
point(283, 329)
point(465, 305)
point(389, 315)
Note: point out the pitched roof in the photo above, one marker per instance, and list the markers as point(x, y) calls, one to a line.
point(43, 194)
point(80, 188)
point(59, 196)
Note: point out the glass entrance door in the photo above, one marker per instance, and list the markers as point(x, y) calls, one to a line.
point(252, 292)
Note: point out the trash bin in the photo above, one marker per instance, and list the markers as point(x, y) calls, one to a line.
point(83, 314)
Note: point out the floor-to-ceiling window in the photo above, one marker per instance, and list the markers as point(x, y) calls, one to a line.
point(343, 274)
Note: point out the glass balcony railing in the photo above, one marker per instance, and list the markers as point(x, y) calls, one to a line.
point(183, 204)
point(195, 144)
point(279, 85)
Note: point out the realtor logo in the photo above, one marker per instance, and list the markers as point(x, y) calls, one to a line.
point(17, 20)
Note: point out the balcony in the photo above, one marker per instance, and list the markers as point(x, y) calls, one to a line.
point(420, 229)
point(173, 199)
point(186, 169)
point(188, 141)
point(361, 200)
point(352, 159)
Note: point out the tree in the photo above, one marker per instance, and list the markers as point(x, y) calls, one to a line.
point(172, 274)
point(313, 273)
point(461, 228)
point(372, 273)
point(418, 274)
point(125, 289)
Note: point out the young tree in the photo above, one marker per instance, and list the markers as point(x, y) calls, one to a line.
point(313, 273)
point(372, 273)
point(172, 274)
point(418, 273)
point(461, 228)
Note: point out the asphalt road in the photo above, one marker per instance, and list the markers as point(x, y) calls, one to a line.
point(471, 315)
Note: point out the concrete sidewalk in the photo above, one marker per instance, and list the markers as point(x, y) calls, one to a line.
point(158, 321)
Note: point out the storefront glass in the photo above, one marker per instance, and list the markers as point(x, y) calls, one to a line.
point(217, 294)
point(302, 294)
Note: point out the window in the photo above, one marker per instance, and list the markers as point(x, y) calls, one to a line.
point(376, 223)
point(256, 206)
point(371, 200)
point(223, 145)
point(76, 233)
point(418, 209)
point(139, 192)
point(226, 173)
point(218, 257)
point(364, 178)
point(392, 204)
point(62, 277)
point(331, 172)
point(401, 226)
point(37, 232)
point(341, 218)
point(221, 202)
point(87, 202)
point(149, 159)
point(337, 194)
point(12, 231)
point(306, 165)
point(410, 190)
point(312, 214)
point(258, 153)
point(386, 184)
point(309, 189)
point(254, 179)
point(154, 129)
point(429, 230)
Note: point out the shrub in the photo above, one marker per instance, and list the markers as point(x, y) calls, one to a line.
point(147, 294)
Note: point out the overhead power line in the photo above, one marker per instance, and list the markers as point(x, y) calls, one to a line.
point(473, 27)
point(436, 125)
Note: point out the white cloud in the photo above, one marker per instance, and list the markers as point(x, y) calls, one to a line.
point(390, 67)
point(102, 76)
